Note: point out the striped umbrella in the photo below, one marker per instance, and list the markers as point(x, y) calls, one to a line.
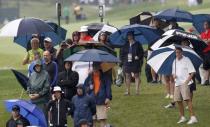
point(24, 26)
point(161, 60)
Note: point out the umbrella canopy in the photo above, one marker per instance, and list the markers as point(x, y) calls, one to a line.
point(25, 26)
point(57, 36)
point(93, 55)
point(143, 34)
point(176, 36)
point(95, 28)
point(21, 78)
point(60, 31)
point(161, 60)
point(90, 45)
point(198, 21)
point(146, 18)
point(28, 110)
point(174, 14)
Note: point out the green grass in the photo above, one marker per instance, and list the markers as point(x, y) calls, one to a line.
point(145, 110)
point(134, 111)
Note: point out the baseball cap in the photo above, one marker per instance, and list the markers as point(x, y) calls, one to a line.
point(57, 88)
point(15, 108)
point(47, 39)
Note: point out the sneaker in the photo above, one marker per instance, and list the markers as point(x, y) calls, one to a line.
point(154, 81)
point(171, 96)
point(192, 120)
point(182, 120)
point(206, 83)
point(169, 106)
point(159, 81)
point(167, 96)
point(186, 107)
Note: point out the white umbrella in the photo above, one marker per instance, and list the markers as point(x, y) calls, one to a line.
point(105, 28)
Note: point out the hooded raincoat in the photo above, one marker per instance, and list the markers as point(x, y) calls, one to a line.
point(38, 84)
point(83, 107)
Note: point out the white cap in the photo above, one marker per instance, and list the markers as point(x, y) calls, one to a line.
point(47, 39)
point(83, 29)
point(57, 88)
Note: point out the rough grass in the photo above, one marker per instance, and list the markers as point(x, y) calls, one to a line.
point(145, 110)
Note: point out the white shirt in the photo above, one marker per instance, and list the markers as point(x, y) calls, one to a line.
point(83, 69)
point(181, 69)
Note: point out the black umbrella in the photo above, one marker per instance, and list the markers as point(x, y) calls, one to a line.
point(21, 78)
point(176, 37)
point(146, 18)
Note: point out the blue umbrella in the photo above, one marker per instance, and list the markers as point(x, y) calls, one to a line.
point(21, 78)
point(60, 31)
point(198, 21)
point(57, 36)
point(143, 34)
point(25, 26)
point(93, 55)
point(174, 14)
point(161, 60)
point(28, 110)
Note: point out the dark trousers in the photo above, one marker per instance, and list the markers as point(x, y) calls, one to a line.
point(148, 73)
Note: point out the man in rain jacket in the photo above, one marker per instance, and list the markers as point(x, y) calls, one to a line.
point(98, 86)
point(38, 86)
point(68, 80)
point(58, 109)
point(83, 107)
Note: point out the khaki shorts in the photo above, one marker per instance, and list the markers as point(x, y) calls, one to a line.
point(181, 93)
point(101, 112)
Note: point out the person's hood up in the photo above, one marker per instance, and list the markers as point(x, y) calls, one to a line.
point(64, 66)
point(80, 86)
point(37, 62)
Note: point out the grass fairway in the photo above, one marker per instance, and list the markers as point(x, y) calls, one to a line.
point(145, 110)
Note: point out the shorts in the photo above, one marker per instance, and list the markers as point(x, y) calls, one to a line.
point(101, 112)
point(181, 93)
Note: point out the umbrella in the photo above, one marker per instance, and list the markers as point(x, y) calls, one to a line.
point(93, 55)
point(89, 45)
point(161, 60)
point(25, 26)
point(21, 78)
point(174, 14)
point(28, 110)
point(60, 31)
point(198, 21)
point(176, 36)
point(95, 28)
point(57, 36)
point(143, 34)
point(146, 18)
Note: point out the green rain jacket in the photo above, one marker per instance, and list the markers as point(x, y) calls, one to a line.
point(39, 84)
